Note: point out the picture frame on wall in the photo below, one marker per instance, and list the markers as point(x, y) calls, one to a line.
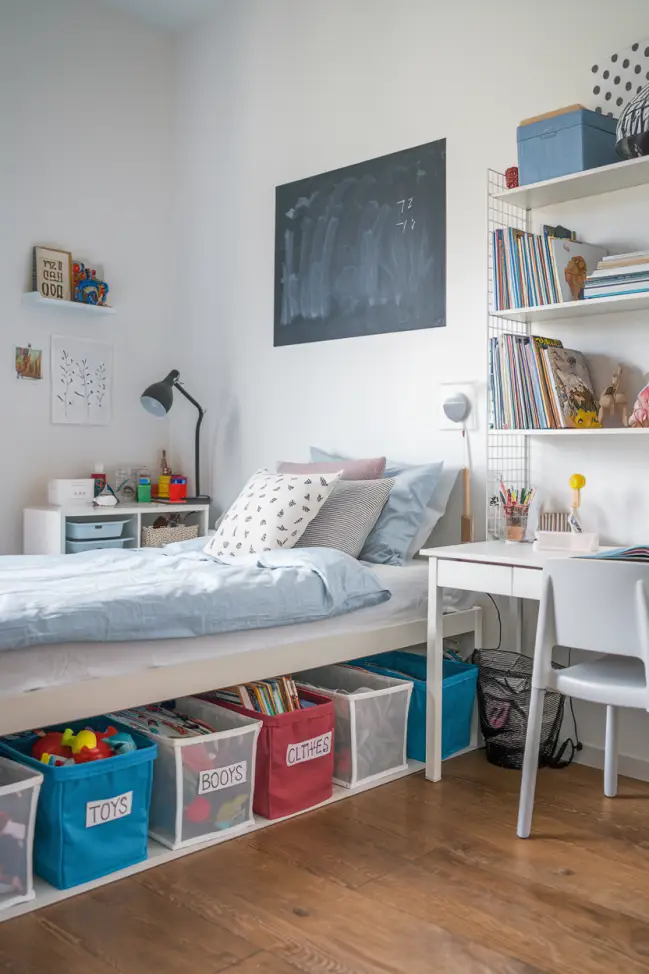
point(53, 273)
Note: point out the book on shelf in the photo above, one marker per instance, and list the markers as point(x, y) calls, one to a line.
point(531, 270)
point(623, 274)
point(536, 383)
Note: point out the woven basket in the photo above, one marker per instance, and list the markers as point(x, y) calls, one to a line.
point(159, 537)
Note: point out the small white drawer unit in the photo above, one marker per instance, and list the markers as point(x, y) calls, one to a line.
point(53, 530)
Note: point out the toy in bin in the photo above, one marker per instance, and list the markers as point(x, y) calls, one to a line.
point(59, 748)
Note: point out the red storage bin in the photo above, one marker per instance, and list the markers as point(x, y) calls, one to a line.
point(295, 756)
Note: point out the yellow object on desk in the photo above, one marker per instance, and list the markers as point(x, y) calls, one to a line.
point(163, 485)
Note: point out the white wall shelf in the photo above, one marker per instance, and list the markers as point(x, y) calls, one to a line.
point(577, 309)
point(578, 185)
point(568, 433)
point(36, 299)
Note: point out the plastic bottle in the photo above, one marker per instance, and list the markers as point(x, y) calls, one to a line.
point(99, 477)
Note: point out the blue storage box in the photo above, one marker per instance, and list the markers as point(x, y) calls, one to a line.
point(563, 144)
point(92, 818)
point(459, 682)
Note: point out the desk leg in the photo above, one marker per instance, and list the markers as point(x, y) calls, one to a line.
point(517, 617)
point(435, 662)
point(476, 734)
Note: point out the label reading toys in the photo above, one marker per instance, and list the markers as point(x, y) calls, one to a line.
point(316, 747)
point(219, 778)
point(108, 809)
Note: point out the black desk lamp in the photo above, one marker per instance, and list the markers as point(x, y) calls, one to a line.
point(158, 400)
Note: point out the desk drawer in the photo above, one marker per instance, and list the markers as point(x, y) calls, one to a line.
point(527, 583)
point(475, 576)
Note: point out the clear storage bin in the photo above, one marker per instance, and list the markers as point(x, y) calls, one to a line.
point(203, 786)
point(85, 530)
point(19, 789)
point(371, 720)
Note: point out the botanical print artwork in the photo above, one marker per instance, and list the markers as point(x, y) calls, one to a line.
point(81, 381)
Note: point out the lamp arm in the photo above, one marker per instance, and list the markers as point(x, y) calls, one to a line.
point(201, 413)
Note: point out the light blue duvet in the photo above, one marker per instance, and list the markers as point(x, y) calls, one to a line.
point(113, 595)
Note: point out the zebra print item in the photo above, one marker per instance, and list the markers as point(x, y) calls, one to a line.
point(347, 517)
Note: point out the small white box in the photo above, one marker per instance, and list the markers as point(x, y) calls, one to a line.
point(62, 492)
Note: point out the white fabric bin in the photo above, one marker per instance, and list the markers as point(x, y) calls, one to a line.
point(371, 721)
point(19, 789)
point(202, 786)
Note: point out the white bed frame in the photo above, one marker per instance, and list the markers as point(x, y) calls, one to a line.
point(87, 698)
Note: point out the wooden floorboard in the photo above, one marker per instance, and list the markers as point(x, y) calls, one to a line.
point(411, 877)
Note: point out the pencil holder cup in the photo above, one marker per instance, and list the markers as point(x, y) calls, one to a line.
point(515, 522)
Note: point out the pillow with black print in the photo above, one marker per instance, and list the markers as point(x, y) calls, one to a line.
point(272, 512)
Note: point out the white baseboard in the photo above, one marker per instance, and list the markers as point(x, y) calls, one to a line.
point(593, 757)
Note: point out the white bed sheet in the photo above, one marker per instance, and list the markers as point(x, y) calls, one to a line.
point(47, 666)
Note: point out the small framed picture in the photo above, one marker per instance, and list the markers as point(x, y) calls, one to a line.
point(53, 273)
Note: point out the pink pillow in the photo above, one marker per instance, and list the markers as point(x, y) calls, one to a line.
point(372, 469)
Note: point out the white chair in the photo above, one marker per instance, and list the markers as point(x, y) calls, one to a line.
point(603, 607)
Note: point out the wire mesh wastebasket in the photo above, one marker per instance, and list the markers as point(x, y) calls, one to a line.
point(504, 690)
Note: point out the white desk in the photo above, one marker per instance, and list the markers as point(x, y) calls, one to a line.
point(514, 570)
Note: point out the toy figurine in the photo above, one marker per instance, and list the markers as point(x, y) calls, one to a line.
point(577, 482)
point(640, 415)
point(611, 398)
point(87, 288)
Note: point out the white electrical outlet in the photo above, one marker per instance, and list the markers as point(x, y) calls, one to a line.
point(446, 390)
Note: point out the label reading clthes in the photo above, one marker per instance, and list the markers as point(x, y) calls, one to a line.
point(219, 778)
point(108, 809)
point(316, 747)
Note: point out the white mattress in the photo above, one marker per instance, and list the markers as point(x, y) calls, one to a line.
point(47, 666)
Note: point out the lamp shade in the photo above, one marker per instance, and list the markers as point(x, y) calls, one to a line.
point(158, 397)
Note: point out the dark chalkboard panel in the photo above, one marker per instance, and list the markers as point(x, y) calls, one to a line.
point(362, 250)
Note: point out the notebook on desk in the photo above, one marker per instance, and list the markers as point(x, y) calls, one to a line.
point(635, 553)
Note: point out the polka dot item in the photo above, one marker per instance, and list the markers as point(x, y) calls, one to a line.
point(617, 79)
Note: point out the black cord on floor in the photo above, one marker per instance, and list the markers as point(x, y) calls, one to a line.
point(500, 622)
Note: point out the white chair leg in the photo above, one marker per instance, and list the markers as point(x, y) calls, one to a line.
point(611, 753)
point(530, 763)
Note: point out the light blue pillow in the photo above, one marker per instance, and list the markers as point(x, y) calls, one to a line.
point(406, 508)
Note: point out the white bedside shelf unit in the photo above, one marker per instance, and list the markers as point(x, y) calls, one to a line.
point(45, 529)
point(508, 450)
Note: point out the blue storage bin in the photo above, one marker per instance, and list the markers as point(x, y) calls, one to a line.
point(563, 144)
point(459, 682)
point(92, 818)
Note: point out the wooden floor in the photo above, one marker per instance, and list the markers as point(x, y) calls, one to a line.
point(411, 877)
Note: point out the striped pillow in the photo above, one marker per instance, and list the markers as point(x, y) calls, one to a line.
point(347, 516)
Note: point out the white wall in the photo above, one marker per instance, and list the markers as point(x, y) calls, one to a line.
point(86, 164)
point(273, 92)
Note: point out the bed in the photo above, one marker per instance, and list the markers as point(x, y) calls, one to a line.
point(47, 684)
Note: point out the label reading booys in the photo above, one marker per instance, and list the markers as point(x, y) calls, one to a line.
point(219, 778)
point(316, 747)
point(108, 809)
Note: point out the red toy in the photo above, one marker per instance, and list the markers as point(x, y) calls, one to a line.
point(50, 743)
point(511, 177)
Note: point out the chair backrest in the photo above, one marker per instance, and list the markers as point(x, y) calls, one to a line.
point(595, 604)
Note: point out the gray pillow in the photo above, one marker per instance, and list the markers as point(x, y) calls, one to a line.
point(347, 516)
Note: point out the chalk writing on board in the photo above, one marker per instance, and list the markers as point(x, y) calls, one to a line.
point(362, 250)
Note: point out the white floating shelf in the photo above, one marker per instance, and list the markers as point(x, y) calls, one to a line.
point(46, 895)
point(578, 309)
point(578, 185)
point(568, 433)
point(35, 298)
